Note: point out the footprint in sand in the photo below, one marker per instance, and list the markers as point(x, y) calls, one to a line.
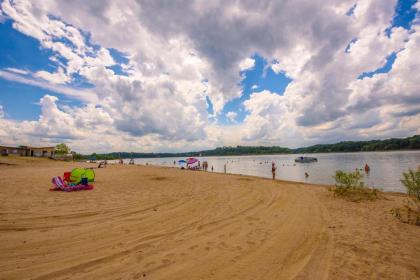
point(150, 264)
point(249, 218)
point(193, 247)
point(235, 259)
point(223, 245)
point(138, 275)
point(251, 243)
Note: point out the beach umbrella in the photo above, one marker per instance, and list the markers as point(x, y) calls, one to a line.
point(191, 160)
point(182, 161)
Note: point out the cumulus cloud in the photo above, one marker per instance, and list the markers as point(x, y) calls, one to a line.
point(246, 64)
point(58, 77)
point(231, 116)
point(197, 49)
point(81, 94)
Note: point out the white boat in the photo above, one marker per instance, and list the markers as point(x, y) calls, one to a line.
point(306, 159)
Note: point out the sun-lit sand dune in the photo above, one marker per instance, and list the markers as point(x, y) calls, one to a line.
point(161, 223)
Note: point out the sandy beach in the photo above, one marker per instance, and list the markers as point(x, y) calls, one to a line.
point(145, 222)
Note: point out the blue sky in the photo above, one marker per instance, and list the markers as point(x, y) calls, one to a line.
point(142, 81)
point(20, 101)
point(24, 52)
point(259, 78)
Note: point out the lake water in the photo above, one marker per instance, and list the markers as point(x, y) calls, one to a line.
point(385, 173)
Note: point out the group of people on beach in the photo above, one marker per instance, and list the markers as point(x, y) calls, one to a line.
point(204, 166)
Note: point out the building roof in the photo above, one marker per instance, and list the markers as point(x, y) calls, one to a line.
point(27, 147)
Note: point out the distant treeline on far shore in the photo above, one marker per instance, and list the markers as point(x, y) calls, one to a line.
point(393, 144)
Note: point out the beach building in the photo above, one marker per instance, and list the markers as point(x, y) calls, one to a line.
point(28, 151)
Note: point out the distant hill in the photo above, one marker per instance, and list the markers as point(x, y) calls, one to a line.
point(393, 144)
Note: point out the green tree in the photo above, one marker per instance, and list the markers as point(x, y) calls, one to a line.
point(62, 149)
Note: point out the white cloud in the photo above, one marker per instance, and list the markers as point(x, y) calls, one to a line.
point(231, 116)
point(58, 77)
point(2, 17)
point(81, 94)
point(199, 50)
point(17, 71)
point(246, 64)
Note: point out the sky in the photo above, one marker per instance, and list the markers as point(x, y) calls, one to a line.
point(173, 76)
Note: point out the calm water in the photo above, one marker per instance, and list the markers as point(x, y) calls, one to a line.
point(385, 174)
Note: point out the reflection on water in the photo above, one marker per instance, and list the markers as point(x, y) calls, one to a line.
point(385, 173)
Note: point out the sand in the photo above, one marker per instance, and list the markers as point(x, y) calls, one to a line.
point(145, 222)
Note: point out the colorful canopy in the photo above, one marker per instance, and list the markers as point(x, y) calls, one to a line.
point(191, 160)
point(181, 161)
point(78, 173)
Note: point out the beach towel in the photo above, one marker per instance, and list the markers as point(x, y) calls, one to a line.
point(60, 185)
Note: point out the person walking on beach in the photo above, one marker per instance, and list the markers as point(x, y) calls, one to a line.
point(224, 167)
point(212, 168)
point(273, 170)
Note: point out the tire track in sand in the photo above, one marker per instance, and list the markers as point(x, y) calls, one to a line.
point(194, 226)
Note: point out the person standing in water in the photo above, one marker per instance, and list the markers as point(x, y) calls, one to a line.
point(273, 170)
point(212, 168)
point(224, 167)
point(367, 168)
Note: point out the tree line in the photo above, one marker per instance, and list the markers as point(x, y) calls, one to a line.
point(393, 144)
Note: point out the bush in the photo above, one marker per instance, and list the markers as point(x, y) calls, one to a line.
point(410, 213)
point(349, 185)
point(411, 181)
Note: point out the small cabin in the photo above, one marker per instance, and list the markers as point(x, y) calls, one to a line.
point(27, 151)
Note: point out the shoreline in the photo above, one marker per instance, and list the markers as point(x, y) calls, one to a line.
point(163, 223)
point(260, 177)
point(386, 168)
